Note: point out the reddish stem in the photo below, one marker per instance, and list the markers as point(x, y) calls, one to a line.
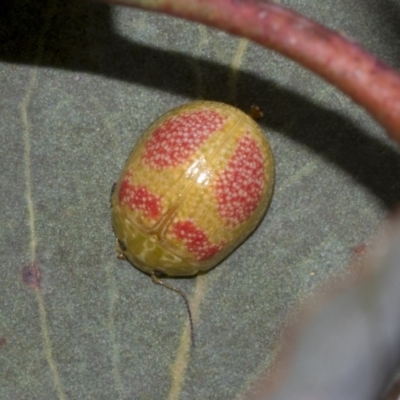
point(366, 79)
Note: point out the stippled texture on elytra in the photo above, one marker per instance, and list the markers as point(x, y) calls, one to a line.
point(198, 182)
point(240, 186)
point(173, 142)
point(195, 239)
point(139, 198)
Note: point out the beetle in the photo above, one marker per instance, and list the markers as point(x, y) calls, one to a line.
point(196, 184)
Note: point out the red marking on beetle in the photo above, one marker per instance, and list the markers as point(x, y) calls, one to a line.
point(3, 341)
point(30, 276)
point(139, 198)
point(173, 142)
point(195, 240)
point(239, 187)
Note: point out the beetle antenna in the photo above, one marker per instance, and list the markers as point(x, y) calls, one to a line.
point(155, 277)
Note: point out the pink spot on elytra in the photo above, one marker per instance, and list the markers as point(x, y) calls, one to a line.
point(173, 142)
point(239, 187)
point(195, 240)
point(139, 198)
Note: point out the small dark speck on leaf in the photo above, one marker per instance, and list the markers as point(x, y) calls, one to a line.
point(31, 276)
point(3, 342)
point(360, 249)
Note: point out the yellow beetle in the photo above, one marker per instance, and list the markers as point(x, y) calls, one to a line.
point(194, 187)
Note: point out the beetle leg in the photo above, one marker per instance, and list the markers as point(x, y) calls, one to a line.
point(120, 247)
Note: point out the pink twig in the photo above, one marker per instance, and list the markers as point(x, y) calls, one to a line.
point(344, 63)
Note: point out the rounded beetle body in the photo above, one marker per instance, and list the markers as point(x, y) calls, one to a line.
point(194, 187)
